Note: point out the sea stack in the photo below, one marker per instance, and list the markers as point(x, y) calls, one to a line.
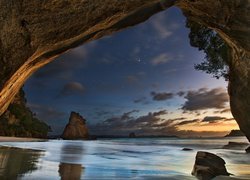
point(76, 129)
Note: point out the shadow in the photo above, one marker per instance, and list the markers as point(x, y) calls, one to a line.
point(16, 162)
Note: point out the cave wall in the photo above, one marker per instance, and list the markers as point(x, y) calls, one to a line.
point(231, 19)
point(33, 33)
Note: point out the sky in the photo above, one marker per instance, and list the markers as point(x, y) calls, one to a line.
point(141, 80)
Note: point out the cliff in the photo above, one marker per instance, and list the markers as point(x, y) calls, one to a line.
point(19, 121)
point(76, 128)
point(234, 133)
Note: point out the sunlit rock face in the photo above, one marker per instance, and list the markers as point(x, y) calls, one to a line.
point(33, 33)
point(76, 128)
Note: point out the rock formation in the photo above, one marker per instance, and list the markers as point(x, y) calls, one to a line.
point(234, 133)
point(248, 150)
point(132, 135)
point(76, 128)
point(236, 145)
point(208, 165)
point(33, 33)
point(19, 121)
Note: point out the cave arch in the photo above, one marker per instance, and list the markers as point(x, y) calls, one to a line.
point(33, 33)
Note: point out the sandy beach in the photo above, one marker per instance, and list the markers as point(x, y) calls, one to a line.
point(19, 139)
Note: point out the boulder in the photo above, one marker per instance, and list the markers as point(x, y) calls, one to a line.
point(132, 135)
point(76, 128)
point(187, 149)
point(236, 145)
point(208, 165)
point(248, 150)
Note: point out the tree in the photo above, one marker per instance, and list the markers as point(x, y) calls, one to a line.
point(215, 49)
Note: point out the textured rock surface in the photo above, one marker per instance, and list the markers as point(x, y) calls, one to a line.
point(208, 165)
point(76, 128)
point(33, 33)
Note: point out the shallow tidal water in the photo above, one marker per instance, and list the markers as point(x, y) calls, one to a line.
point(138, 158)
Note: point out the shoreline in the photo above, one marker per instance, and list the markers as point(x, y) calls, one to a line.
point(20, 139)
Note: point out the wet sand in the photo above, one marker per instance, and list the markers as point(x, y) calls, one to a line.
point(19, 139)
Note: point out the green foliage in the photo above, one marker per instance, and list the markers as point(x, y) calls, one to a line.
point(26, 125)
point(216, 50)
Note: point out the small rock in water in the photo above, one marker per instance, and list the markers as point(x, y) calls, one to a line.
point(132, 135)
point(208, 165)
point(248, 149)
point(236, 145)
point(187, 149)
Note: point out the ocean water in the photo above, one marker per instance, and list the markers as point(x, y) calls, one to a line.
point(138, 158)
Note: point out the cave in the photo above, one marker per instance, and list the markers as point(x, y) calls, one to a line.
point(34, 33)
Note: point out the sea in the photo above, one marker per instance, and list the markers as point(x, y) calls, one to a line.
point(124, 158)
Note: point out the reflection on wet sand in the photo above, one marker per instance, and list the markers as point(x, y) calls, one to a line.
point(71, 153)
point(70, 171)
point(15, 162)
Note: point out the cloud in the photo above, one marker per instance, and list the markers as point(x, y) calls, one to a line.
point(121, 119)
point(141, 100)
point(159, 113)
point(132, 79)
point(148, 124)
point(161, 96)
point(72, 88)
point(159, 25)
point(212, 119)
point(226, 110)
point(63, 66)
point(127, 116)
point(204, 98)
point(45, 112)
point(216, 119)
point(161, 59)
point(135, 78)
point(187, 122)
point(102, 113)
